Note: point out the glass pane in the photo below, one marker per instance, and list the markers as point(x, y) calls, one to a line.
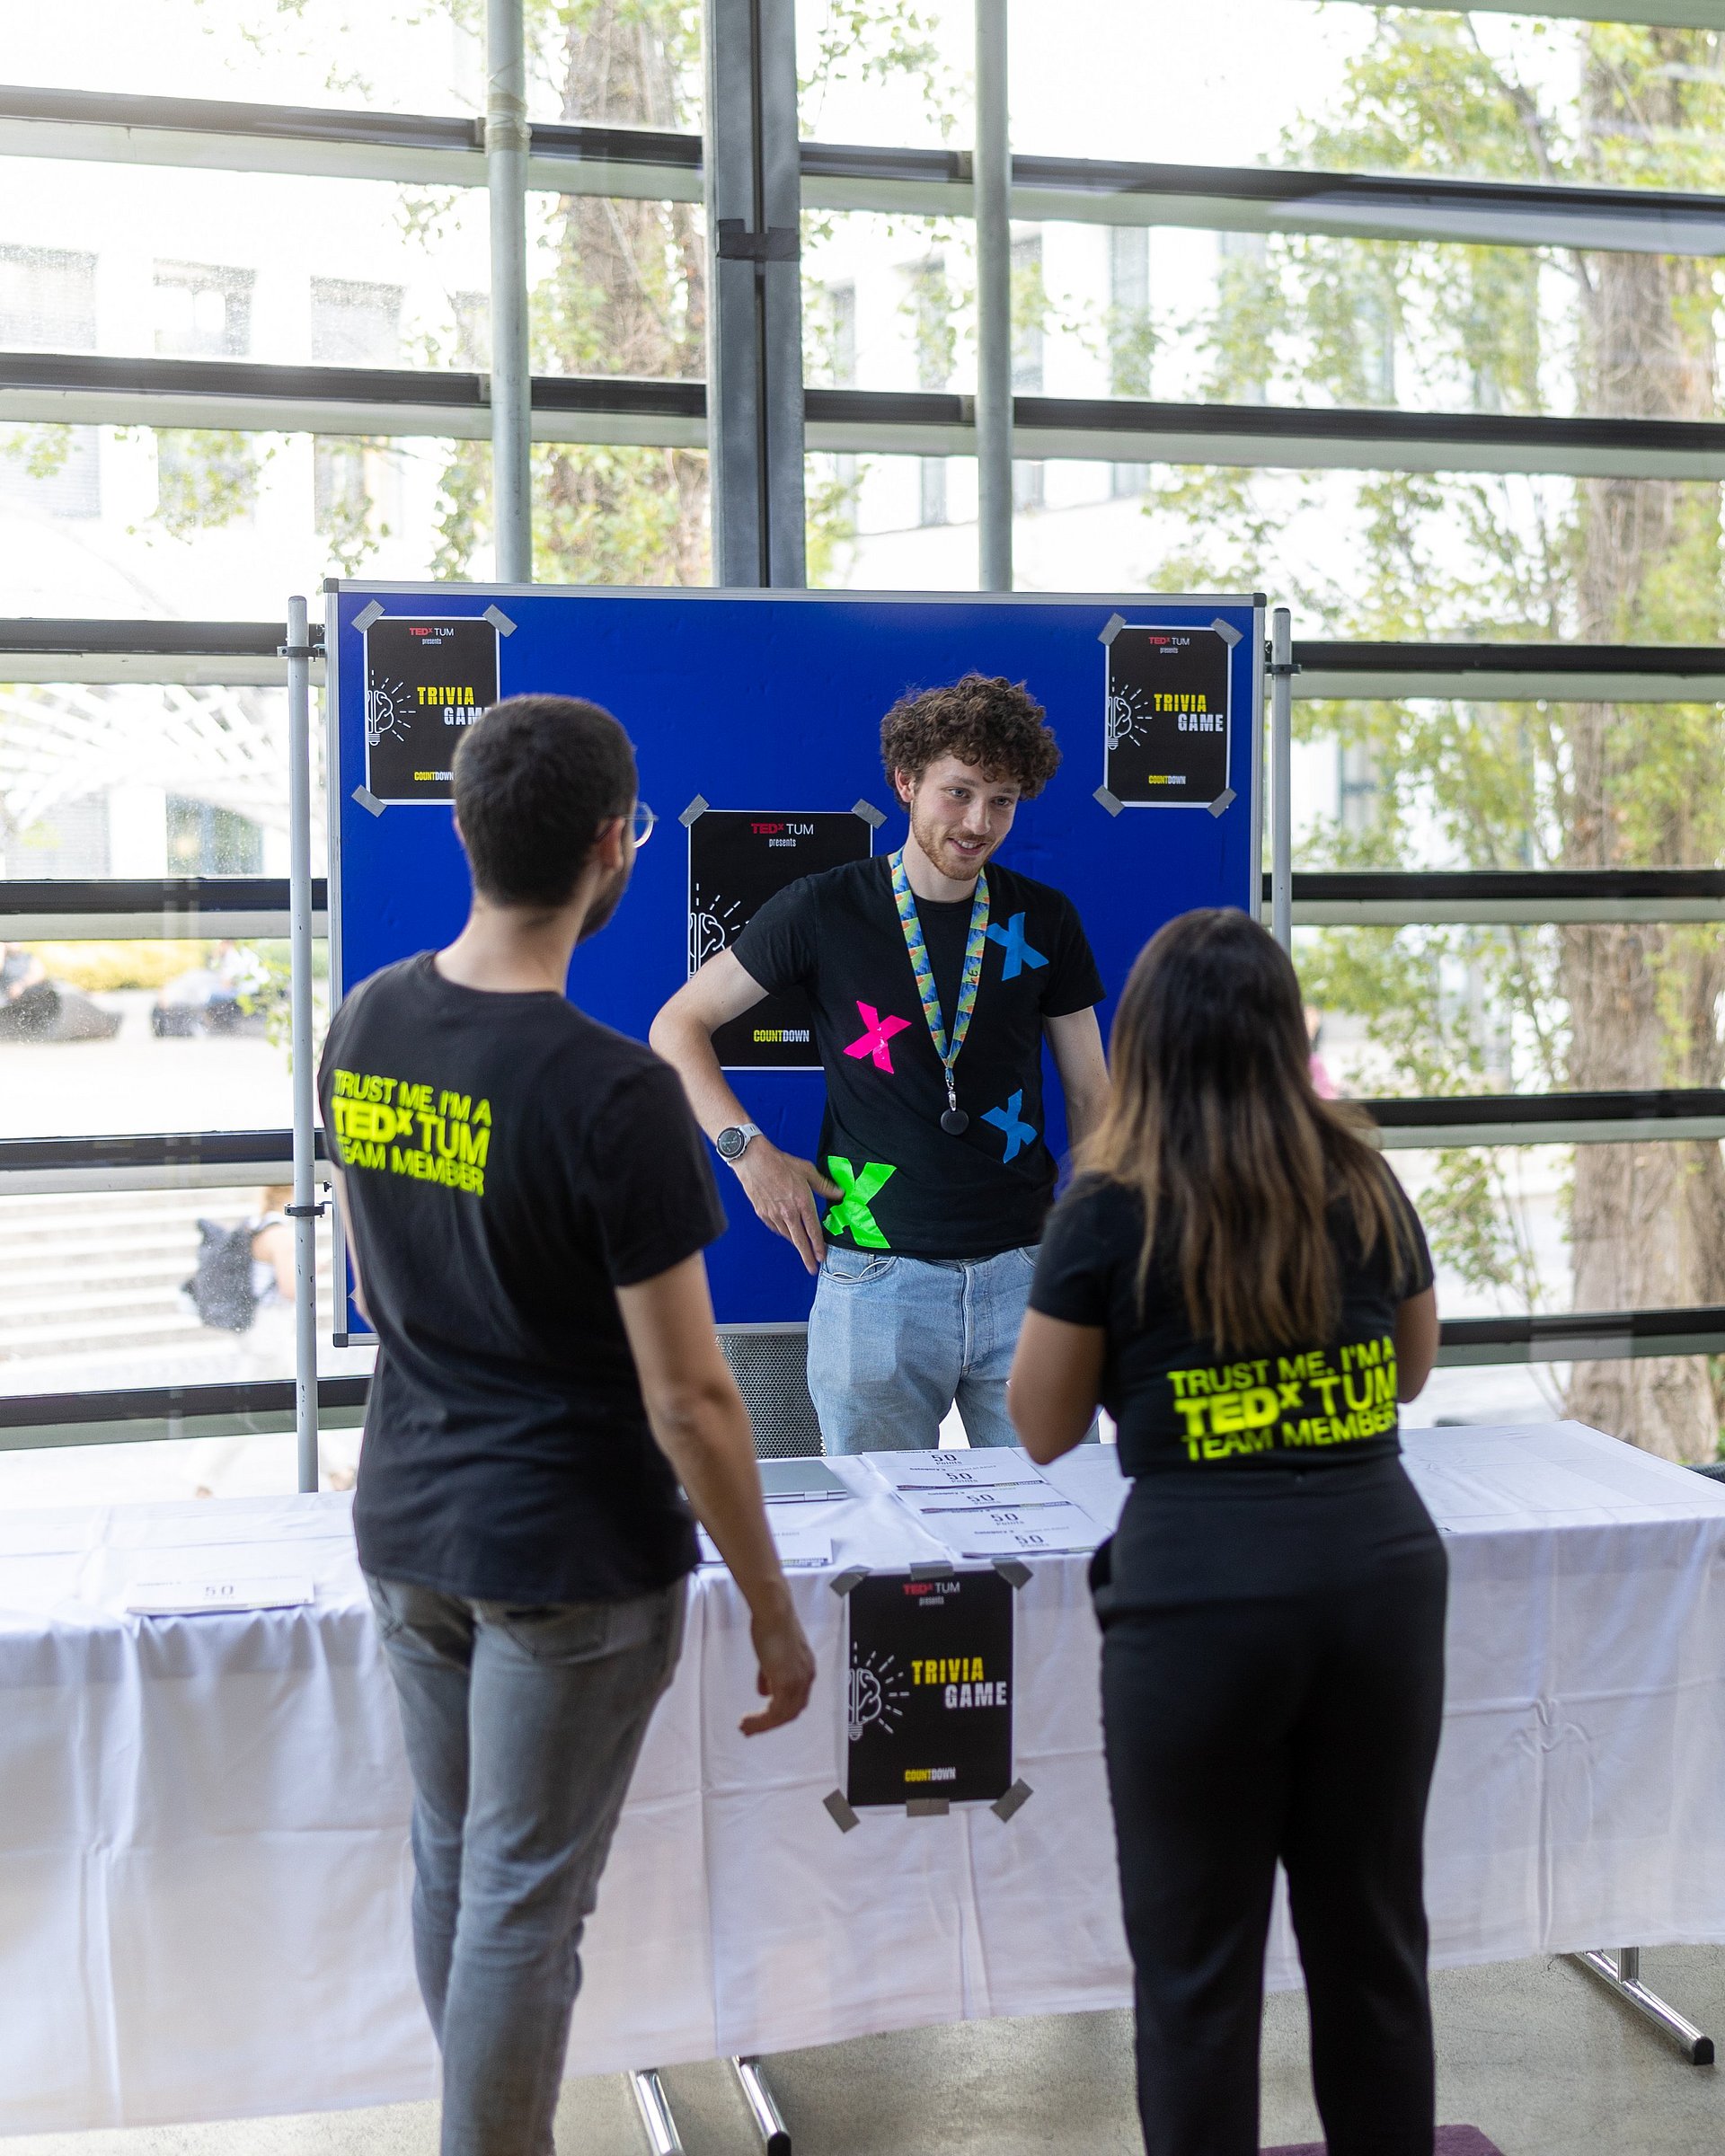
point(93, 1286)
point(1578, 1008)
point(393, 55)
point(269, 265)
point(1287, 82)
point(1239, 318)
point(152, 1035)
point(138, 780)
point(638, 65)
point(618, 287)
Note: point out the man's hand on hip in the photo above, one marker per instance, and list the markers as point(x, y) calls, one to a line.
point(787, 1666)
point(782, 1188)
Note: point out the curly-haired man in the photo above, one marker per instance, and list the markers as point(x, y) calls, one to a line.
point(934, 979)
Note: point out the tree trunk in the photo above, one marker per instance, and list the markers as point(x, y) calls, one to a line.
point(1646, 1220)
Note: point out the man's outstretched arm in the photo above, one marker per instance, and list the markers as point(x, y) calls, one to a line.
point(698, 1417)
point(781, 1187)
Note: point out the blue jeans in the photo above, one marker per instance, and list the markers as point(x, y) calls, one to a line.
point(894, 1341)
point(522, 1727)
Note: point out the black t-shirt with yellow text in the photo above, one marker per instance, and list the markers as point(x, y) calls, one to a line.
point(1179, 1405)
point(509, 1164)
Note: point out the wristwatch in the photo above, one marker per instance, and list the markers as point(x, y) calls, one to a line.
point(733, 1141)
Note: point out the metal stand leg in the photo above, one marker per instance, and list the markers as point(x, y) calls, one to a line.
point(655, 2109)
point(763, 2109)
point(1624, 1976)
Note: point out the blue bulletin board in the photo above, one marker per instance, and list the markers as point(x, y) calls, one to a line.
point(770, 704)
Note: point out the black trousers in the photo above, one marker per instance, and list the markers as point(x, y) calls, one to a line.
point(1290, 1712)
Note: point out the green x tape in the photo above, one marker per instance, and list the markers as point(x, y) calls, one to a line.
point(851, 1212)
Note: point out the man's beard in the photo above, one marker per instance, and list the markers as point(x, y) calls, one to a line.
point(932, 836)
point(605, 902)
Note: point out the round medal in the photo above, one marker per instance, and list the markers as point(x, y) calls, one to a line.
point(953, 1120)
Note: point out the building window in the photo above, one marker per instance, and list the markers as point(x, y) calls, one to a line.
point(356, 483)
point(934, 336)
point(204, 479)
point(1029, 306)
point(48, 304)
point(354, 325)
point(201, 312)
point(204, 840)
point(1130, 342)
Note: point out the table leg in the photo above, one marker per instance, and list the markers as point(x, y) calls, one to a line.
point(1624, 1976)
point(763, 2107)
point(656, 2115)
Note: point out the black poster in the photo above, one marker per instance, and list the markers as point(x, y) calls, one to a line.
point(1167, 726)
point(738, 859)
point(930, 1678)
point(425, 680)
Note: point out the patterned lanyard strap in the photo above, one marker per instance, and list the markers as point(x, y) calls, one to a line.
point(970, 980)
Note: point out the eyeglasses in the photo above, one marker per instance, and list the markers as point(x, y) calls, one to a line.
point(641, 824)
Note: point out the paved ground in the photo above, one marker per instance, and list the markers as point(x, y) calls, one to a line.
point(1532, 2053)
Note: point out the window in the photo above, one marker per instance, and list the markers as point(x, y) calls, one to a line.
point(204, 840)
point(203, 313)
point(1029, 323)
point(934, 337)
point(1130, 342)
point(48, 302)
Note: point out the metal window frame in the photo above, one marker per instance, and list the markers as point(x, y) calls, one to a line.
point(651, 165)
point(83, 388)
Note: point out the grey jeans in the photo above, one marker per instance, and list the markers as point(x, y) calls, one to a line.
point(523, 1726)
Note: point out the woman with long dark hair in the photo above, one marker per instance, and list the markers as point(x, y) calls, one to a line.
point(1236, 1276)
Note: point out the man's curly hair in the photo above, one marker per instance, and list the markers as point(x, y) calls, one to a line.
point(995, 725)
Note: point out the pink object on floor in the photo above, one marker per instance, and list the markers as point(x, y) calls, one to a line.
point(1451, 2141)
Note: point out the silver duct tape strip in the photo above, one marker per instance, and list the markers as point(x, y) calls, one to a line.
point(936, 1567)
point(837, 1809)
point(368, 801)
point(1013, 1571)
point(369, 612)
point(1226, 631)
point(499, 619)
point(696, 810)
point(841, 1583)
point(1110, 629)
point(927, 1807)
point(1224, 801)
point(871, 815)
point(1111, 801)
point(1015, 1800)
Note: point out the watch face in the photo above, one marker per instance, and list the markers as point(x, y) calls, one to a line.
point(730, 1142)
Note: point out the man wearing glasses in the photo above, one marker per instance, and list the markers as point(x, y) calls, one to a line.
point(529, 1199)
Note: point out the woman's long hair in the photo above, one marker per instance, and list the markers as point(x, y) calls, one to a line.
point(1215, 1124)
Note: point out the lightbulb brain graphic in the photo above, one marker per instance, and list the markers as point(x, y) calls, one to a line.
point(1126, 717)
point(714, 926)
point(877, 1695)
point(386, 712)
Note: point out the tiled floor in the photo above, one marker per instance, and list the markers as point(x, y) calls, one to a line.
point(1534, 2052)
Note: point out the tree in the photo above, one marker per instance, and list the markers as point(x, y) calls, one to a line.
point(1593, 785)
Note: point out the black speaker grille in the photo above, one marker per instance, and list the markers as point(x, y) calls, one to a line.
point(772, 1373)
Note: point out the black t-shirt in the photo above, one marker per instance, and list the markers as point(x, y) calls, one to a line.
point(1179, 1406)
point(510, 1163)
point(908, 1187)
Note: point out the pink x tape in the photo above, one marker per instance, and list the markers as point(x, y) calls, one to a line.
point(878, 1031)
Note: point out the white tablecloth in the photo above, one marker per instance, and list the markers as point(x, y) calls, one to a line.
point(204, 1869)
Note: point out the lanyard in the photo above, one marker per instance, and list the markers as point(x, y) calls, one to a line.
point(970, 980)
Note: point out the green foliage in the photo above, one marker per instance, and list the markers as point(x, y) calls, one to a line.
point(206, 479)
point(1319, 321)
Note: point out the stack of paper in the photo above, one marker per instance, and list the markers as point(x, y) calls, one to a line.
point(985, 1504)
point(801, 1534)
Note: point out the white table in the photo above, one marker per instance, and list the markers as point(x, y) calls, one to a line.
point(203, 1858)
